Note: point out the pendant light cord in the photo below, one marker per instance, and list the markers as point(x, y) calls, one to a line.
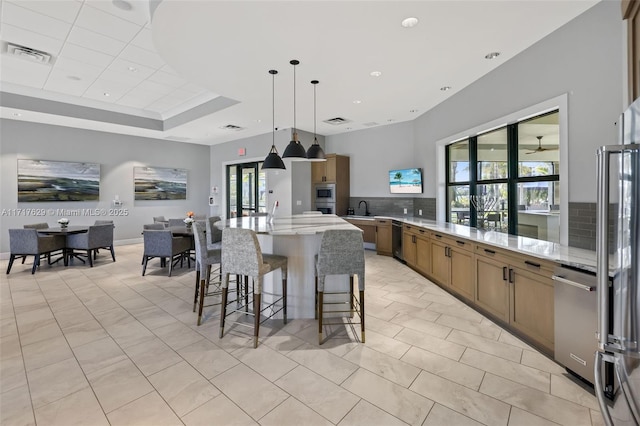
point(294, 98)
point(314, 113)
point(273, 109)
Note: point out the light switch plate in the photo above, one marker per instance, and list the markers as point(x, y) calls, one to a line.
point(298, 203)
point(405, 211)
point(420, 212)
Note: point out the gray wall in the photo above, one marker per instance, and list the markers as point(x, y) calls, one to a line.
point(117, 155)
point(583, 59)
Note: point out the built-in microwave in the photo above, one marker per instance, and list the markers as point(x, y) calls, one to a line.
point(325, 192)
point(325, 207)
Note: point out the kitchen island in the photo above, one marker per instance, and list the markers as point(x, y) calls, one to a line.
point(298, 237)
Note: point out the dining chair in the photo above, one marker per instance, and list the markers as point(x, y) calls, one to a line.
point(161, 220)
point(241, 255)
point(27, 242)
point(98, 236)
point(205, 258)
point(341, 253)
point(60, 239)
point(160, 243)
point(175, 222)
point(213, 232)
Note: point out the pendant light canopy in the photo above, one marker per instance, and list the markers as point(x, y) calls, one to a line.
point(273, 160)
point(294, 150)
point(315, 152)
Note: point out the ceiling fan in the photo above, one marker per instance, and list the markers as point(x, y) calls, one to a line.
point(540, 148)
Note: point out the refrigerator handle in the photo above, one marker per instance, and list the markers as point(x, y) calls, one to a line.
point(602, 243)
point(603, 156)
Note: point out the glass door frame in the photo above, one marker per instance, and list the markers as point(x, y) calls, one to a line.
point(239, 169)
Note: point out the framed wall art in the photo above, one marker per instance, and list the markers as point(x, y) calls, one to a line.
point(158, 183)
point(43, 180)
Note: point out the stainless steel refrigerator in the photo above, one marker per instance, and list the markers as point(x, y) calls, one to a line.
point(618, 169)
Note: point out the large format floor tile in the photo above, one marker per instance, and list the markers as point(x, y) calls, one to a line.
point(105, 345)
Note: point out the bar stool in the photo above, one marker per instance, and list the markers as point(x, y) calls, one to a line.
point(205, 258)
point(241, 255)
point(341, 253)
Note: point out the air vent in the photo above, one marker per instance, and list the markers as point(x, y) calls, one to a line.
point(337, 121)
point(232, 127)
point(370, 124)
point(28, 53)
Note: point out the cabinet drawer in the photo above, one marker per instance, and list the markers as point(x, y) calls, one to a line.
point(459, 243)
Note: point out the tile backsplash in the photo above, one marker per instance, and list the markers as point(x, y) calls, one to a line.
point(394, 206)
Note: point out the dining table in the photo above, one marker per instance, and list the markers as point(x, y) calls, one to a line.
point(298, 237)
point(66, 230)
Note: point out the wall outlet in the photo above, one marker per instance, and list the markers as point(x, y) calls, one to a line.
point(298, 203)
point(419, 212)
point(405, 211)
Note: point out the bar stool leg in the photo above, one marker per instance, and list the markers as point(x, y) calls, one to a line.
point(362, 313)
point(257, 298)
point(223, 308)
point(320, 301)
point(351, 297)
point(316, 293)
point(195, 296)
point(202, 288)
point(284, 295)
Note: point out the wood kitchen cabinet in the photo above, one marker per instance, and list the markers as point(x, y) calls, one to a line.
point(330, 171)
point(452, 264)
point(383, 237)
point(517, 290)
point(368, 227)
point(415, 248)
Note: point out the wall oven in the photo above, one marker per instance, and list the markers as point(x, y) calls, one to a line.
point(325, 192)
point(326, 208)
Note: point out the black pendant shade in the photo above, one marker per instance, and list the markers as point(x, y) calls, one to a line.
point(315, 152)
point(273, 160)
point(294, 150)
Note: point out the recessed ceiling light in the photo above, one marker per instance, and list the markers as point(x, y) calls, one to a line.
point(74, 77)
point(492, 55)
point(17, 114)
point(347, 128)
point(258, 121)
point(413, 110)
point(445, 88)
point(409, 22)
point(122, 4)
point(357, 101)
point(107, 94)
point(375, 73)
point(132, 69)
point(390, 120)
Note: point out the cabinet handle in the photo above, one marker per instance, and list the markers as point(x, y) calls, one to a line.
point(460, 242)
point(421, 231)
point(414, 239)
point(490, 252)
point(504, 273)
point(382, 221)
point(530, 263)
point(437, 235)
point(511, 277)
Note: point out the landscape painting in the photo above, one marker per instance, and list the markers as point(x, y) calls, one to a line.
point(157, 183)
point(41, 180)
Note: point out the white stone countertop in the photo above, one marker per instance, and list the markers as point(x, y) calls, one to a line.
point(546, 250)
point(289, 225)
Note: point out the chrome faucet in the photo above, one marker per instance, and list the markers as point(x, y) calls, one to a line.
point(366, 207)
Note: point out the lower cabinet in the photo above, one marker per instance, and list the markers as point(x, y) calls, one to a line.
point(452, 264)
point(384, 244)
point(415, 248)
point(518, 291)
point(368, 227)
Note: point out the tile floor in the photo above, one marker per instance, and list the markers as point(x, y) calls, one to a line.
point(104, 345)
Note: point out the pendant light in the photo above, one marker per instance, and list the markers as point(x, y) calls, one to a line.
point(294, 150)
point(315, 152)
point(273, 160)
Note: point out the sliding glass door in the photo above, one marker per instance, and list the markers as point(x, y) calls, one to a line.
point(246, 189)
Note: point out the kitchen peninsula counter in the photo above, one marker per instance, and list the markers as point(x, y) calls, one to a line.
point(298, 237)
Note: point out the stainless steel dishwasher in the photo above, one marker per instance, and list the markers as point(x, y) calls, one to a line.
point(576, 320)
point(396, 238)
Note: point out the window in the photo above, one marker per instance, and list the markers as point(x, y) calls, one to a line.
point(507, 179)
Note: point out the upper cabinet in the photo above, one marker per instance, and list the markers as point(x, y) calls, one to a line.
point(331, 171)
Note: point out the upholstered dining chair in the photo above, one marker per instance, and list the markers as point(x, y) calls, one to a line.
point(27, 242)
point(341, 253)
point(160, 243)
point(60, 239)
point(214, 235)
point(241, 255)
point(97, 237)
point(175, 222)
point(161, 220)
point(103, 222)
point(205, 258)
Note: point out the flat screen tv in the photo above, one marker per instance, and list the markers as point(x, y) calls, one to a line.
point(405, 181)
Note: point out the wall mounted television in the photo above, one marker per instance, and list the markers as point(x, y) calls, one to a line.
point(405, 181)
